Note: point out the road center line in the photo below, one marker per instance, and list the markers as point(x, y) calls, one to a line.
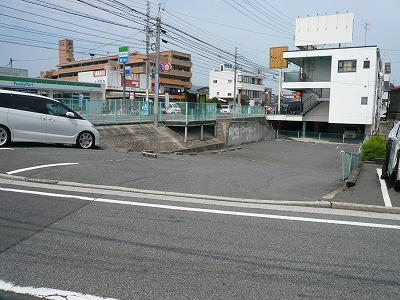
point(205, 210)
point(384, 189)
point(46, 293)
point(40, 167)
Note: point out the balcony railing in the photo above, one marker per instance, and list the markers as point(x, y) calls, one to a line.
point(302, 77)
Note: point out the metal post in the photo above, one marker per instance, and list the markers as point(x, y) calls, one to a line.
point(186, 112)
point(303, 133)
point(186, 133)
point(115, 110)
point(234, 79)
point(280, 91)
point(157, 77)
point(124, 81)
point(147, 49)
point(202, 132)
point(343, 139)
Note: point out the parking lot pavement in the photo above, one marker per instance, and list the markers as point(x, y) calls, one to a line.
point(277, 170)
point(368, 189)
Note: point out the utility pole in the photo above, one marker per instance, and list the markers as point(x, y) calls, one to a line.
point(280, 91)
point(366, 30)
point(147, 50)
point(11, 63)
point(124, 80)
point(157, 76)
point(234, 79)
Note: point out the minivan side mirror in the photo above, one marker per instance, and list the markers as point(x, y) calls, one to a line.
point(70, 114)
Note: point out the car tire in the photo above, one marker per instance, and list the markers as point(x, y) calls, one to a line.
point(5, 136)
point(85, 140)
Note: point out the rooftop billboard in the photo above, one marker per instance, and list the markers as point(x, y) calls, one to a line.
point(326, 29)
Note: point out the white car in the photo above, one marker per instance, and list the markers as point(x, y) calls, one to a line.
point(32, 118)
point(225, 109)
point(173, 108)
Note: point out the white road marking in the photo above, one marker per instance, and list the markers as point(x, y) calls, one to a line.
point(6, 149)
point(47, 293)
point(194, 198)
point(209, 211)
point(384, 189)
point(40, 167)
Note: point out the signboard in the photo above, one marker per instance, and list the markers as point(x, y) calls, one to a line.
point(387, 68)
point(99, 73)
point(326, 29)
point(127, 71)
point(123, 54)
point(276, 60)
point(164, 67)
point(145, 108)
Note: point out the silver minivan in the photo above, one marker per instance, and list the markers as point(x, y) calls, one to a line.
point(32, 118)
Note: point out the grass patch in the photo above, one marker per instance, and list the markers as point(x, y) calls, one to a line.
point(374, 147)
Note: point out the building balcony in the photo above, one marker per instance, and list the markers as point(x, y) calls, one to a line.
point(183, 63)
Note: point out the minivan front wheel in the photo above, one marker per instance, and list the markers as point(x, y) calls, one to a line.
point(4, 136)
point(85, 140)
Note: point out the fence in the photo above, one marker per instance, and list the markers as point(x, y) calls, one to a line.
point(349, 162)
point(136, 111)
point(322, 136)
point(245, 111)
point(186, 112)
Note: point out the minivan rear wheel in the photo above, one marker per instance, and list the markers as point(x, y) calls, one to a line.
point(85, 140)
point(5, 136)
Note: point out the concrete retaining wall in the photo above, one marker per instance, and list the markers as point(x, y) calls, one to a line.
point(243, 132)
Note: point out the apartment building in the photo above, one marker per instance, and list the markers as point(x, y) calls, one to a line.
point(249, 86)
point(173, 81)
point(338, 85)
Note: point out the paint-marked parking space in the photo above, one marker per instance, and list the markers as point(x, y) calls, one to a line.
point(384, 189)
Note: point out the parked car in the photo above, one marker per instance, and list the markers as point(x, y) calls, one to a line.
point(393, 167)
point(172, 108)
point(33, 118)
point(267, 109)
point(225, 109)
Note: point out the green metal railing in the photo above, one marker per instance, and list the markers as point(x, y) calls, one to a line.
point(322, 136)
point(185, 112)
point(349, 162)
point(112, 110)
point(245, 111)
point(136, 111)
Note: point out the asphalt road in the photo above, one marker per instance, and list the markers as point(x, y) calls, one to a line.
point(278, 170)
point(173, 249)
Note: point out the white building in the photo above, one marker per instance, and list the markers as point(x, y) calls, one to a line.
point(249, 85)
point(338, 86)
point(338, 89)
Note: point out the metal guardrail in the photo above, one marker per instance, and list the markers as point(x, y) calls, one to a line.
point(136, 111)
point(322, 136)
point(349, 162)
point(245, 111)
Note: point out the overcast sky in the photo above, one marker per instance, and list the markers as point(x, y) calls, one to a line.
point(212, 21)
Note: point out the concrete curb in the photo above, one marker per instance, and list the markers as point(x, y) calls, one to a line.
point(316, 204)
point(149, 154)
point(352, 180)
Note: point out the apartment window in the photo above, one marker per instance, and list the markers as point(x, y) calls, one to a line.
point(364, 100)
point(229, 81)
point(229, 94)
point(366, 64)
point(345, 66)
point(214, 81)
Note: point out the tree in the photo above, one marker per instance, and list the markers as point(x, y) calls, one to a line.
point(215, 100)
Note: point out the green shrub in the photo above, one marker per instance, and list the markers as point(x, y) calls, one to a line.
point(374, 147)
point(215, 100)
